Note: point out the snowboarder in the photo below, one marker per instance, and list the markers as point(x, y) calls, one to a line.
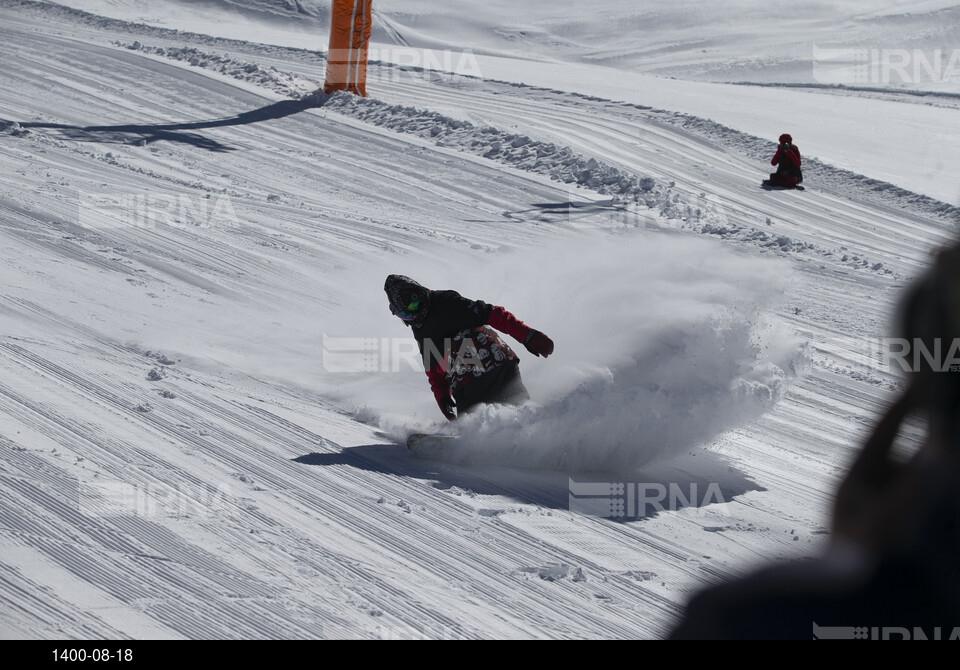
point(466, 361)
point(787, 159)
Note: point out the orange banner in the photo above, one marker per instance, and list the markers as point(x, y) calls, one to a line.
point(350, 25)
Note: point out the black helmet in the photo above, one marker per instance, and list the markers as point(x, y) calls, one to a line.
point(409, 300)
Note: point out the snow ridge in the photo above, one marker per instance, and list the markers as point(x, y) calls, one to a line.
point(664, 203)
point(517, 150)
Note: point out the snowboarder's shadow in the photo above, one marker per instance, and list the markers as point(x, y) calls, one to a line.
point(537, 488)
point(703, 481)
point(143, 134)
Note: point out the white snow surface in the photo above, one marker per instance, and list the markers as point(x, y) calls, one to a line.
point(204, 398)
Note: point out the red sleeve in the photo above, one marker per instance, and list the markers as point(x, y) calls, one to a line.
point(507, 323)
point(438, 382)
point(776, 157)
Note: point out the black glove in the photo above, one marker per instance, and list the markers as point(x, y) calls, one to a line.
point(538, 344)
point(448, 407)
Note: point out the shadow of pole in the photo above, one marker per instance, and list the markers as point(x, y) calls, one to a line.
point(179, 132)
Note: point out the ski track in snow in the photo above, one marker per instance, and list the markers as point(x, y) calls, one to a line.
point(266, 509)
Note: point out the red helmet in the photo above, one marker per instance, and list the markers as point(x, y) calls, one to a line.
point(786, 138)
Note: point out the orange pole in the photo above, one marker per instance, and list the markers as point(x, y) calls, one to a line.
point(350, 27)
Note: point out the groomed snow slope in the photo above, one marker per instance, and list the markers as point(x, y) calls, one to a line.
point(181, 457)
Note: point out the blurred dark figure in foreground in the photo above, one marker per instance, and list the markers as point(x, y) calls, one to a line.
point(892, 570)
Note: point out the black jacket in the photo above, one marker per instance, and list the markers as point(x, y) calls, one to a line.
point(463, 355)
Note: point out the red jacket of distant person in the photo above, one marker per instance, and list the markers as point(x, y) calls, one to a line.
point(787, 159)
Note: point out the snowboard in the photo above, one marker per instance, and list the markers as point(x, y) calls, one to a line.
point(430, 444)
point(429, 438)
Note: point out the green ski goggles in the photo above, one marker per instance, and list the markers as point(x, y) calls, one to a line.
point(409, 312)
